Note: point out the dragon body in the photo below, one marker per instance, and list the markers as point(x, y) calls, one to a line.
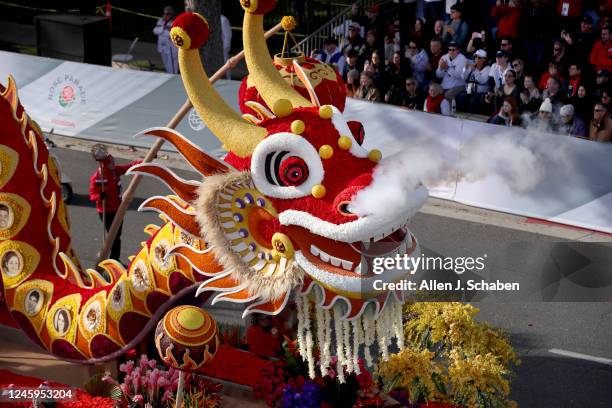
point(269, 224)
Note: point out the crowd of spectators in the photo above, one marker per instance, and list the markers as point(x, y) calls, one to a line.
point(535, 63)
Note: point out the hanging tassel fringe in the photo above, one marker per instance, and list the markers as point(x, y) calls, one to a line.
point(350, 335)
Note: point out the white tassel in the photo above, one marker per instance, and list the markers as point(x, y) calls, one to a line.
point(398, 325)
point(300, 329)
point(320, 316)
point(327, 314)
point(368, 329)
point(348, 354)
point(339, 344)
point(308, 333)
point(356, 344)
point(381, 334)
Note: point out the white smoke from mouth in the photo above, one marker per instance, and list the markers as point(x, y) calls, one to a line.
point(518, 158)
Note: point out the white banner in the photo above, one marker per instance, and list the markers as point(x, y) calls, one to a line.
point(72, 97)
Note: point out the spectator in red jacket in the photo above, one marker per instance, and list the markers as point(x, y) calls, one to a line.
point(601, 56)
point(105, 190)
point(575, 79)
point(264, 337)
point(508, 15)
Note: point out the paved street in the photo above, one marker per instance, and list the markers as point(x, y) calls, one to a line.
point(544, 379)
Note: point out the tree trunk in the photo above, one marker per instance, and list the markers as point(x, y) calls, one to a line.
point(212, 51)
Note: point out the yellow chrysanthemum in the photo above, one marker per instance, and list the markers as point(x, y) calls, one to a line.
point(288, 23)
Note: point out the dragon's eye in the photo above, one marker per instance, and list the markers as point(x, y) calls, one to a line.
point(293, 171)
point(285, 165)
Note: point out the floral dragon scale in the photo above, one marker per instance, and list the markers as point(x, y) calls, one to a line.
point(270, 223)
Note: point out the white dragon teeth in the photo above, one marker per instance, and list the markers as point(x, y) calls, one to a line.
point(401, 225)
point(325, 257)
point(358, 269)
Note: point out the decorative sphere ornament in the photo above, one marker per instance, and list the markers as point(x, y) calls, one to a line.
point(187, 338)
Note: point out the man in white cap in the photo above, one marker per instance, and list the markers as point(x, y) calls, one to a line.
point(570, 123)
point(353, 40)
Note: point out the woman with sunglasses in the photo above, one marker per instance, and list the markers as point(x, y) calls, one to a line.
point(410, 97)
point(419, 62)
point(519, 67)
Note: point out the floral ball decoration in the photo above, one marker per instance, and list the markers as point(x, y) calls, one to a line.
point(325, 79)
point(187, 338)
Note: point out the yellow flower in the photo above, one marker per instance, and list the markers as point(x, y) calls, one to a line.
point(288, 23)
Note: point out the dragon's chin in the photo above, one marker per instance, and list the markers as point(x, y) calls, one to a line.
point(346, 268)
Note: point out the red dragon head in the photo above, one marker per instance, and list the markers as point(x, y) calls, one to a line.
point(278, 212)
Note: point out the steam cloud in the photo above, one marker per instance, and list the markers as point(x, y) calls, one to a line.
point(518, 159)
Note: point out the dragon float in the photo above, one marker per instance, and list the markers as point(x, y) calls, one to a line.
point(270, 224)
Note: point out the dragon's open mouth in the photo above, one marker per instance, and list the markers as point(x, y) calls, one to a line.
point(346, 267)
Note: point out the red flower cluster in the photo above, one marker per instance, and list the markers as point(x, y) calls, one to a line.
point(237, 366)
point(272, 383)
point(82, 399)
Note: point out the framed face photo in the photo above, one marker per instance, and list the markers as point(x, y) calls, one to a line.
point(33, 302)
point(6, 216)
point(93, 316)
point(12, 263)
point(61, 321)
point(117, 297)
point(140, 277)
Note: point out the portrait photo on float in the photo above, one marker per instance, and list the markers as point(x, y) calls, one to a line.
point(33, 302)
point(6, 216)
point(12, 263)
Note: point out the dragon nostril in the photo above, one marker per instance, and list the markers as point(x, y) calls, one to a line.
point(343, 208)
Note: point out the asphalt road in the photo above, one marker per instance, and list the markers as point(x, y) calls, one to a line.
point(544, 379)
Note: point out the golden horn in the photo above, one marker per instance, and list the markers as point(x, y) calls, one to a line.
point(236, 134)
point(270, 85)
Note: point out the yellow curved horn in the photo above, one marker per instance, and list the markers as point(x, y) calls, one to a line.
point(236, 134)
point(270, 85)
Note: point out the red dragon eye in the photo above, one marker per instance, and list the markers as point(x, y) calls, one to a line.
point(293, 171)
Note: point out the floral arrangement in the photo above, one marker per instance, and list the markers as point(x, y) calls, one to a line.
point(450, 359)
point(286, 383)
point(147, 385)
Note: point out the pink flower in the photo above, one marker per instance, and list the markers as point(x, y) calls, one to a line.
point(138, 398)
point(144, 361)
point(167, 396)
point(127, 367)
point(152, 376)
point(124, 389)
point(163, 382)
point(136, 382)
point(152, 363)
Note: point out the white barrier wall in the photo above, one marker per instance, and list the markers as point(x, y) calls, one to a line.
point(111, 105)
